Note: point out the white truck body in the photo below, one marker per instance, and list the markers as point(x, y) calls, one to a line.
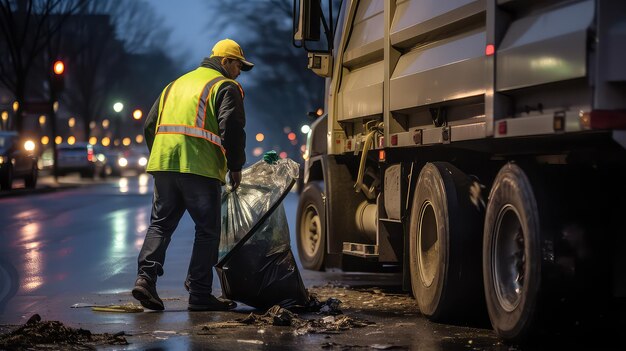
point(498, 107)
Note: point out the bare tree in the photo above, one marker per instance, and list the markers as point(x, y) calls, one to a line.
point(101, 38)
point(26, 28)
point(281, 90)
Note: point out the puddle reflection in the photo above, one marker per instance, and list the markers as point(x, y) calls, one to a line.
point(33, 275)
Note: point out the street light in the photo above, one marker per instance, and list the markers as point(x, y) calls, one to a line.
point(305, 129)
point(137, 114)
point(118, 107)
point(5, 118)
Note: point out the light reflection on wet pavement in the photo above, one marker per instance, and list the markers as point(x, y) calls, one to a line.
point(81, 246)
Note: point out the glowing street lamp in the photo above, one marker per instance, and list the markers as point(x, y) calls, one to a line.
point(305, 129)
point(118, 107)
point(137, 114)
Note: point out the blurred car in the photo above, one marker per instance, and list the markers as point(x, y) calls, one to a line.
point(17, 160)
point(130, 159)
point(84, 158)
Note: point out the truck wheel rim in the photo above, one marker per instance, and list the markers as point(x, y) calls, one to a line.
point(509, 258)
point(428, 245)
point(311, 232)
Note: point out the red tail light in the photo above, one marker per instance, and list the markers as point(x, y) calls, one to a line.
point(490, 49)
point(90, 155)
point(603, 119)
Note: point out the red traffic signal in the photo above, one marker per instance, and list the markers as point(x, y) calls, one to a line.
point(58, 67)
point(58, 77)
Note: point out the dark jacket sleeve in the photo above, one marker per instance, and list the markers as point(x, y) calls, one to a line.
point(149, 127)
point(232, 120)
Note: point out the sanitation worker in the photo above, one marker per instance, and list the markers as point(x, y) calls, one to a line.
point(195, 133)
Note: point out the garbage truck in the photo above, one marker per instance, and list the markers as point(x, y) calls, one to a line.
point(476, 145)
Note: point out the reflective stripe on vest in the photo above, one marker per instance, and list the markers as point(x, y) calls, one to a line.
point(190, 131)
point(202, 103)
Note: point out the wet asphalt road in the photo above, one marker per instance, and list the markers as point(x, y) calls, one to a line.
point(80, 245)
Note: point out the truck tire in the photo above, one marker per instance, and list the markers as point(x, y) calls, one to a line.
point(445, 243)
point(311, 227)
point(512, 254)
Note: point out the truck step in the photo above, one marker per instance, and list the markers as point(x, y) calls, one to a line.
point(360, 250)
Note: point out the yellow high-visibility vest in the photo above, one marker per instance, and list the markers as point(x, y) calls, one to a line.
point(187, 133)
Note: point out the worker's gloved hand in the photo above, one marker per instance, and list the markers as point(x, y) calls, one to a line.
point(235, 179)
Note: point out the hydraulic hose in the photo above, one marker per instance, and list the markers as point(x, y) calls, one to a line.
point(369, 139)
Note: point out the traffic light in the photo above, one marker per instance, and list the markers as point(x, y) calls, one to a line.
point(58, 76)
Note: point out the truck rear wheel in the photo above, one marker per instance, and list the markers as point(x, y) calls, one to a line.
point(512, 254)
point(445, 238)
point(311, 227)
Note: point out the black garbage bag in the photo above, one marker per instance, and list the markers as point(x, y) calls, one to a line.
point(256, 265)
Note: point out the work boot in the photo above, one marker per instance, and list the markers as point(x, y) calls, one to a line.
point(146, 293)
point(209, 303)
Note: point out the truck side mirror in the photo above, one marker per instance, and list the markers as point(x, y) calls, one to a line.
point(308, 26)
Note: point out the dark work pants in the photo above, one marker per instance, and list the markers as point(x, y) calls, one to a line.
point(173, 194)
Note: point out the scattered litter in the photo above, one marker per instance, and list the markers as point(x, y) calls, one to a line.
point(387, 347)
point(332, 345)
point(366, 299)
point(220, 325)
point(126, 308)
point(279, 316)
point(261, 331)
point(38, 333)
point(255, 342)
point(82, 305)
point(163, 332)
point(330, 306)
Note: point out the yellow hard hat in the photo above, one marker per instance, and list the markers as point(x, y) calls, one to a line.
point(230, 49)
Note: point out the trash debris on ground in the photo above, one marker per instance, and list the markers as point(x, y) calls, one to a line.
point(332, 345)
point(330, 306)
point(125, 308)
point(364, 299)
point(256, 265)
point(54, 334)
point(278, 316)
point(254, 342)
point(122, 308)
point(163, 334)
